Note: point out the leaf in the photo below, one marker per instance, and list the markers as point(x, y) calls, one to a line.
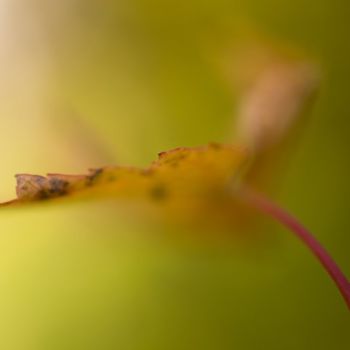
point(185, 181)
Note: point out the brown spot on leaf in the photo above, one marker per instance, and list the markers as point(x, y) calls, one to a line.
point(94, 176)
point(29, 187)
point(159, 192)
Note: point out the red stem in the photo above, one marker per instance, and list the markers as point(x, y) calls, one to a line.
point(266, 206)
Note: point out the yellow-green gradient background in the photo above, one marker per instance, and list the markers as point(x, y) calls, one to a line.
point(88, 83)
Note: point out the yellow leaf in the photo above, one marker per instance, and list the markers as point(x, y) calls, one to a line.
point(189, 183)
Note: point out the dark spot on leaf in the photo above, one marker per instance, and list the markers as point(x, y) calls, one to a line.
point(96, 173)
point(159, 192)
point(112, 178)
point(43, 194)
point(57, 187)
point(215, 145)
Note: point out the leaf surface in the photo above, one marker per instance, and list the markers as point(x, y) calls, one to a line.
point(186, 181)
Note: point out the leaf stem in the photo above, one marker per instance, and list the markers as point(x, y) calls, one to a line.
point(266, 206)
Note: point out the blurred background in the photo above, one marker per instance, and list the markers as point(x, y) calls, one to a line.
point(89, 83)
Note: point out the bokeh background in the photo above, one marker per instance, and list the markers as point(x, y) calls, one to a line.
point(88, 83)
